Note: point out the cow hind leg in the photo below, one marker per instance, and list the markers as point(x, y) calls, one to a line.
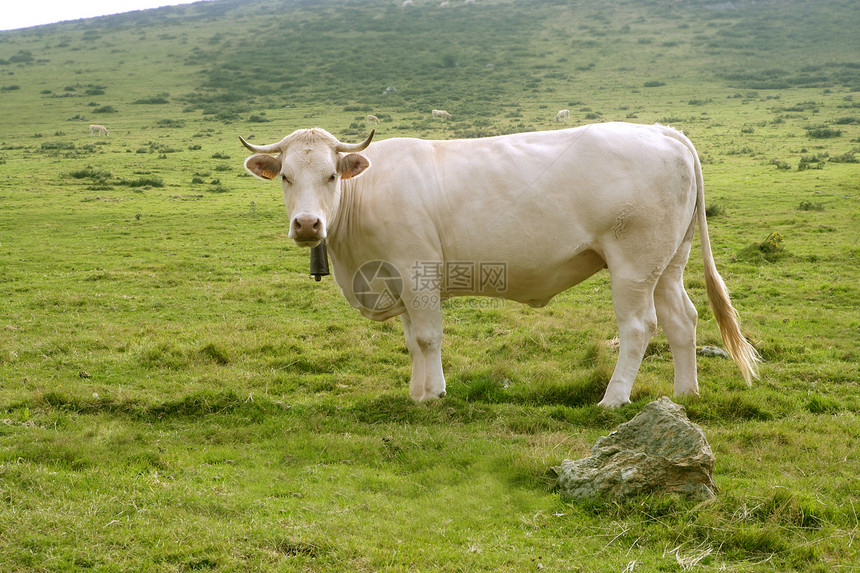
point(678, 317)
point(633, 301)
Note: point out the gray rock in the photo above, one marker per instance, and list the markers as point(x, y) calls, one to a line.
point(712, 352)
point(658, 451)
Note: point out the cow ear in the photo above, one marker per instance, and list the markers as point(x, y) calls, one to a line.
point(352, 165)
point(263, 166)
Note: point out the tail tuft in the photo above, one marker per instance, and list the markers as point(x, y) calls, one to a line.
point(742, 352)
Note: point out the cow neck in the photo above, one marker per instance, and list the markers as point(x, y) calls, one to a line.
point(341, 226)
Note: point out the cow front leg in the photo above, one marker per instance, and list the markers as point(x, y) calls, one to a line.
point(416, 382)
point(422, 329)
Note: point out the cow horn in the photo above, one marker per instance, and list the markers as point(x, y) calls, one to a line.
point(273, 148)
point(353, 147)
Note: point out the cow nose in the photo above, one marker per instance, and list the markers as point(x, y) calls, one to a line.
point(307, 226)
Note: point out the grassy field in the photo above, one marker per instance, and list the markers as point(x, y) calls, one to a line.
point(176, 394)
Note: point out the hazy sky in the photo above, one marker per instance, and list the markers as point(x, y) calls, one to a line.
point(25, 13)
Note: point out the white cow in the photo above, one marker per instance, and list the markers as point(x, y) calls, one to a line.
point(562, 115)
point(100, 130)
point(372, 119)
point(441, 114)
point(522, 217)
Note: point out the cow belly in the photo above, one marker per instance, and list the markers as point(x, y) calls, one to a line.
point(536, 286)
point(539, 286)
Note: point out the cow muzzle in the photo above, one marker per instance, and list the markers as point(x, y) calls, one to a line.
point(307, 230)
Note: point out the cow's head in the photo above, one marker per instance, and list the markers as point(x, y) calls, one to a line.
point(311, 164)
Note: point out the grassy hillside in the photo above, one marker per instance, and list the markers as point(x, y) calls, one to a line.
point(176, 394)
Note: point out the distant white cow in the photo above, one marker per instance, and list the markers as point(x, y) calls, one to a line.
point(406, 3)
point(410, 223)
point(444, 4)
point(372, 119)
point(99, 130)
point(441, 114)
point(562, 115)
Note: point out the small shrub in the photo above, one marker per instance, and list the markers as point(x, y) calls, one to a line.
point(847, 121)
point(55, 145)
point(714, 210)
point(90, 173)
point(158, 100)
point(362, 108)
point(22, 57)
point(170, 123)
point(220, 155)
point(772, 244)
point(770, 250)
point(803, 106)
point(143, 182)
point(810, 206)
point(811, 162)
point(781, 165)
point(105, 109)
point(844, 158)
point(654, 84)
point(823, 133)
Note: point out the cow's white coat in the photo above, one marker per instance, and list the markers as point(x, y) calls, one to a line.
point(555, 207)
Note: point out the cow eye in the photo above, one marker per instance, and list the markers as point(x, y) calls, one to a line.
point(333, 177)
point(286, 180)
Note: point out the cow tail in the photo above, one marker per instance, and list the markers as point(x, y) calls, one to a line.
point(742, 352)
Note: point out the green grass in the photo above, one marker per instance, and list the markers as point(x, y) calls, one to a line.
point(176, 394)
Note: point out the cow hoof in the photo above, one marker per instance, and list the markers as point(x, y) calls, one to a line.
point(687, 393)
point(429, 396)
point(611, 404)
